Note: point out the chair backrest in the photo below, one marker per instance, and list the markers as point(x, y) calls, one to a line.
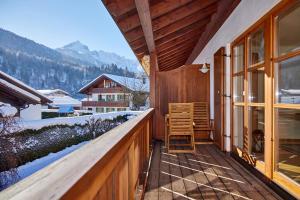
point(201, 116)
point(181, 118)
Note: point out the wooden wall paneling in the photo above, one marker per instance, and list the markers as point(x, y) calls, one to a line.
point(185, 84)
point(121, 179)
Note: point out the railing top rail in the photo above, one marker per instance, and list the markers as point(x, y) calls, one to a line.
point(56, 179)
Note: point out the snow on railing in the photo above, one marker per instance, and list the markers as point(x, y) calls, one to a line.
point(81, 120)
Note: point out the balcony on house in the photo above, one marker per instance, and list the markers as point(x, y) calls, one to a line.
point(238, 58)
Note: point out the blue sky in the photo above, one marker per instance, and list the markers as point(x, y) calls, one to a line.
point(55, 23)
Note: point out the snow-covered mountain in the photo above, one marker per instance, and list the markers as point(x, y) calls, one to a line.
point(82, 52)
point(44, 68)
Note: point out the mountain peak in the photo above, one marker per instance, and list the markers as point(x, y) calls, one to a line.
point(77, 46)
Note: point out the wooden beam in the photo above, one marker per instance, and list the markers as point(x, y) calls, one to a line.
point(180, 49)
point(182, 12)
point(143, 10)
point(199, 17)
point(177, 46)
point(185, 30)
point(176, 56)
point(127, 23)
point(118, 7)
point(225, 8)
point(171, 65)
point(182, 39)
point(138, 43)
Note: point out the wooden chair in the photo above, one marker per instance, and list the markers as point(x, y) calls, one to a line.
point(181, 127)
point(201, 119)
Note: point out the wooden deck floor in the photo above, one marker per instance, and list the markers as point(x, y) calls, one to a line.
point(207, 174)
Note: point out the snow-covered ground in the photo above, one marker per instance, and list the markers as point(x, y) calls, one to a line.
point(31, 167)
point(80, 120)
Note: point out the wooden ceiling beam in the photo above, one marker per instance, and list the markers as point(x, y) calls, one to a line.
point(132, 21)
point(182, 12)
point(196, 27)
point(174, 43)
point(225, 8)
point(165, 6)
point(199, 17)
point(143, 10)
point(138, 43)
point(176, 56)
point(181, 47)
point(171, 65)
point(119, 7)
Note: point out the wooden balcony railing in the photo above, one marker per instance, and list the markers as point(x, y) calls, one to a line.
point(108, 90)
point(105, 103)
point(109, 167)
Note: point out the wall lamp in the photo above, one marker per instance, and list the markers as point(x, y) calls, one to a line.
point(205, 68)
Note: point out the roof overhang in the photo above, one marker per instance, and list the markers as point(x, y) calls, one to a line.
point(177, 30)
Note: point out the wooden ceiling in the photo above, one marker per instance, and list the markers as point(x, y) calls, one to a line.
point(177, 30)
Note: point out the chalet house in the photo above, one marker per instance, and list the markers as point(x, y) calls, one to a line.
point(60, 98)
point(238, 58)
point(108, 93)
point(27, 100)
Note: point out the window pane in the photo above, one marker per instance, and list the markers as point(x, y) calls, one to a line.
point(256, 85)
point(287, 81)
point(238, 126)
point(287, 134)
point(238, 60)
point(289, 30)
point(256, 131)
point(238, 88)
point(256, 47)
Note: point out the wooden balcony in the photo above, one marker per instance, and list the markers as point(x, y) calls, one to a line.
point(112, 166)
point(207, 174)
point(125, 164)
point(105, 103)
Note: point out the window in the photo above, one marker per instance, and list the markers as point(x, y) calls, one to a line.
point(100, 110)
point(256, 127)
point(287, 134)
point(256, 47)
point(286, 109)
point(110, 97)
point(256, 85)
point(238, 126)
point(287, 81)
point(100, 98)
point(266, 95)
point(121, 97)
point(288, 31)
point(238, 58)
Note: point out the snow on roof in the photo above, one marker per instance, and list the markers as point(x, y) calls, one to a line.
point(49, 92)
point(19, 90)
point(65, 100)
point(7, 110)
point(134, 84)
point(9, 78)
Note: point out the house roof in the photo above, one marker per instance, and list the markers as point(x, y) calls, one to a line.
point(49, 92)
point(134, 84)
point(65, 101)
point(176, 31)
point(22, 89)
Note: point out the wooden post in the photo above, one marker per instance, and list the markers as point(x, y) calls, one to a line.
point(154, 91)
point(268, 103)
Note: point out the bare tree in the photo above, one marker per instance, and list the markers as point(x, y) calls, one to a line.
point(137, 89)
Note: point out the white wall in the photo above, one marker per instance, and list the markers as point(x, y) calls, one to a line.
point(245, 15)
point(33, 112)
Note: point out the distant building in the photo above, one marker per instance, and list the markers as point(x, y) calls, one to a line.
point(27, 100)
point(61, 100)
point(108, 93)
